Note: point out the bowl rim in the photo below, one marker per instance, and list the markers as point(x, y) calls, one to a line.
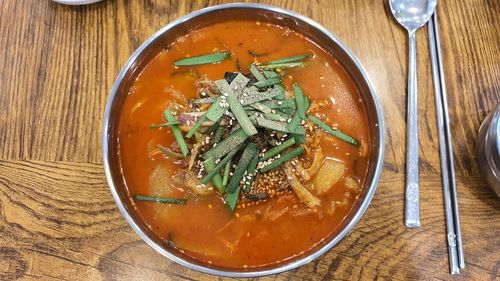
point(284, 267)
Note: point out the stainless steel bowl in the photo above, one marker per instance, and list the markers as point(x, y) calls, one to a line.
point(488, 149)
point(205, 17)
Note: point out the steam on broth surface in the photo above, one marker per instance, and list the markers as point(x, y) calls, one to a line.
point(286, 211)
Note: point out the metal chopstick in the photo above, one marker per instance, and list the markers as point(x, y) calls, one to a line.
point(454, 236)
point(453, 188)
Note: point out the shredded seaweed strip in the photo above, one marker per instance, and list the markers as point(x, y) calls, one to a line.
point(203, 59)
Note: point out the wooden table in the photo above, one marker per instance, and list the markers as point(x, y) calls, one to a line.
point(59, 221)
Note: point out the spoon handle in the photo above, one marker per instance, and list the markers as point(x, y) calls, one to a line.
point(412, 201)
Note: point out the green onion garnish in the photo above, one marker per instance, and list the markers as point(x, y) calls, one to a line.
point(282, 65)
point(276, 150)
point(177, 133)
point(165, 200)
point(196, 126)
point(164, 125)
point(267, 83)
point(252, 166)
point(204, 59)
point(283, 159)
point(228, 144)
point(233, 187)
point(217, 179)
point(334, 132)
point(256, 73)
point(299, 100)
point(221, 164)
point(241, 115)
point(291, 59)
point(227, 169)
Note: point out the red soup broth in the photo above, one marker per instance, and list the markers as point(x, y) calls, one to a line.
point(204, 229)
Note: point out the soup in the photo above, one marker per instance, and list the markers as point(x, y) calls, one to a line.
point(267, 179)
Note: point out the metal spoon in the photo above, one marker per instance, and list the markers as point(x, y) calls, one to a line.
point(412, 14)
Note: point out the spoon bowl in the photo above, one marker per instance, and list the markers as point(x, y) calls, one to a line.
point(412, 14)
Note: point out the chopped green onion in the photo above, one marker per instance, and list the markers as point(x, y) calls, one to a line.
point(291, 59)
point(251, 172)
point(278, 149)
point(334, 132)
point(164, 125)
point(286, 110)
point(231, 198)
point(227, 170)
point(278, 116)
point(176, 132)
point(166, 200)
point(204, 59)
point(285, 158)
point(294, 123)
point(233, 187)
point(196, 125)
point(282, 65)
point(249, 151)
point(299, 139)
point(281, 90)
point(273, 125)
point(238, 84)
point(217, 179)
point(267, 83)
point(299, 100)
point(271, 74)
point(208, 177)
point(227, 145)
point(215, 112)
point(278, 104)
point(253, 96)
point(307, 103)
point(256, 73)
point(261, 107)
point(278, 126)
point(241, 115)
point(223, 87)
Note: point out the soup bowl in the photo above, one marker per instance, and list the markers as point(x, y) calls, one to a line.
point(168, 34)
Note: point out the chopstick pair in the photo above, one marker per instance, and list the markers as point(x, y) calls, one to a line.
point(453, 231)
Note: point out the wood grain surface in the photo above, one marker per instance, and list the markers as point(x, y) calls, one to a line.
point(58, 220)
